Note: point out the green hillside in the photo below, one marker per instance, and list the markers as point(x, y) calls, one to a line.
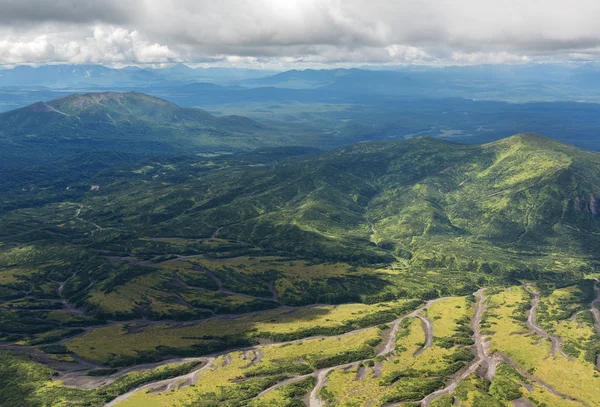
point(429, 202)
point(365, 275)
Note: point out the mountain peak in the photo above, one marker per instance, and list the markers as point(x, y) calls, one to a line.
point(180, 68)
point(125, 102)
point(531, 140)
point(132, 122)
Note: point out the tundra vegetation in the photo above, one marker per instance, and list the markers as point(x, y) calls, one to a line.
point(418, 272)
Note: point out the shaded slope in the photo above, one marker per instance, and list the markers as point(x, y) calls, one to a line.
point(124, 122)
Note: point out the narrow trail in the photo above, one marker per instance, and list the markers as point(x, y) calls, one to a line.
point(477, 362)
point(182, 301)
point(213, 277)
point(596, 313)
point(214, 235)
point(313, 398)
point(61, 286)
point(361, 373)
point(532, 378)
point(79, 367)
point(65, 302)
point(258, 357)
point(573, 317)
point(77, 217)
point(273, 291)
point(388, 347)
point(428, 329)
point(390, 344)
point(226, 360)
point(181, 381)
point(321, 374)
point(223, 290)
point(594, 307)
point(533, 326)
point(291, 380)
point(220, 286)
point(74, 379)
point(482, 360)
point(178, 281)
point(373, 231)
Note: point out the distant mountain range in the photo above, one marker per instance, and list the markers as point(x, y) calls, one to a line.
point(503, 82)
point(137, 123)
point(90, 76)
point(490, 82)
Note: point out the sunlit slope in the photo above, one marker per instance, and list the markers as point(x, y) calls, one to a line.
point(526, 200)
point(526, 193)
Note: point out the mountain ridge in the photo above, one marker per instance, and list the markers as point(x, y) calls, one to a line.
point(411, 200)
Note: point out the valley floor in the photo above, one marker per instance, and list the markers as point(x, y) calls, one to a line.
point(498, 347)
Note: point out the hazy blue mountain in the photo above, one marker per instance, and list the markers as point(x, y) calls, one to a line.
point(93, 76)
point(63, 76)
point(530, 82)
point(301, 79)
point(127, 122)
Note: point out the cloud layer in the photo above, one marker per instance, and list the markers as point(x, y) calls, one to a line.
point(296, 32)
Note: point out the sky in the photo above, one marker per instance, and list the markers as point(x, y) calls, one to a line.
point(298, 33)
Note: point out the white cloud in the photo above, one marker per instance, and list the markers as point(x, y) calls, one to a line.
point(106, 44)
point(408, 54)
point(15, 50)
point(298, 31)
point(481, 58)
point(118, 45)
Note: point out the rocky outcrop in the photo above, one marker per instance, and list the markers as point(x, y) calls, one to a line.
point(593, 205)
point(590, 205)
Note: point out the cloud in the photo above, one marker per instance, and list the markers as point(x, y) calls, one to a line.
point(118, 45)
point(298, 31)
point(481, 58)
point(20, 51)
point(107, 44)
point(75, 11)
